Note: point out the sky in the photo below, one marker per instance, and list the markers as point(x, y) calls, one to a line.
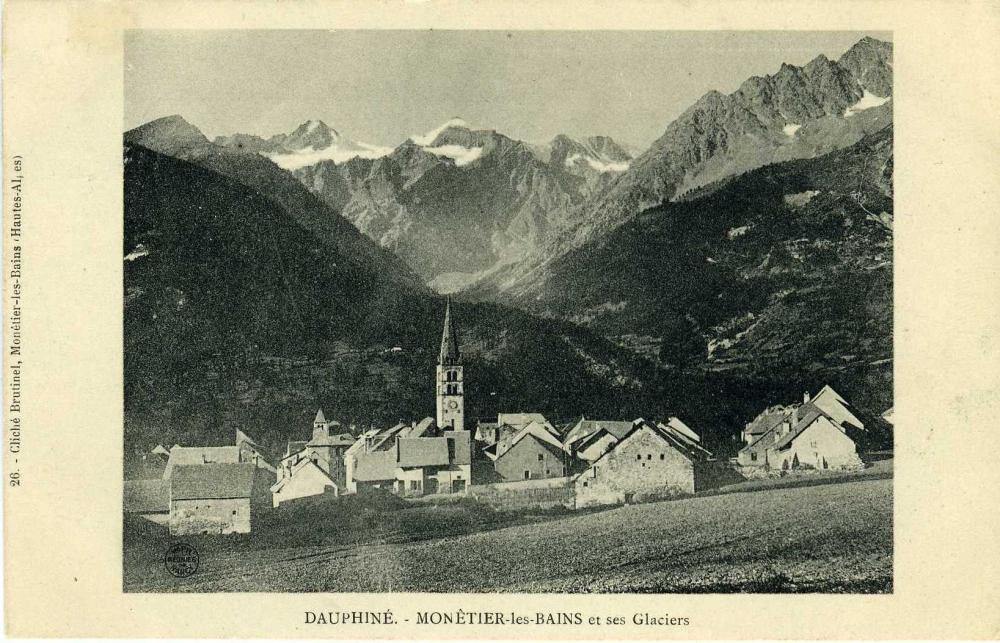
point(382, 87)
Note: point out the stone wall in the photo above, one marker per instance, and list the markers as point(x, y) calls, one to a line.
point(541, 494)
point(210, 516)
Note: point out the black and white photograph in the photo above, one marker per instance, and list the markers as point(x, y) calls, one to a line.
point(490, 311)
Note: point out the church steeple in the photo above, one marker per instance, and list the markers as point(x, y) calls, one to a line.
point(449, 354)
point(449, 385)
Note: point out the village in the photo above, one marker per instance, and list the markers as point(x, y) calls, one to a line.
point(519, 460)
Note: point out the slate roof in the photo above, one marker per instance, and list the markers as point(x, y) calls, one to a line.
point(807, 414)
point(375, 466)
point(449, 340)
point(383, 440)
point(676, 424)
point(767, 420)
point(296, 469)
point(520, 419)
point(681, 443)
point(582, 444)
point(422, 428)
point(146, 496)
point(221, 480)
point(540, 431)
point(834, 405)
point(585, 428)
point(201, 455)
point(422, 452)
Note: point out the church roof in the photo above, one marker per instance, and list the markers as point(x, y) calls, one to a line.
point(320, 418)
point(449, 340)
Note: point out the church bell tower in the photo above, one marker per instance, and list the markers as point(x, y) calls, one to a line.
point(450, 404)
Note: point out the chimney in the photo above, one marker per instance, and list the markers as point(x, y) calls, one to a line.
point(806, 397)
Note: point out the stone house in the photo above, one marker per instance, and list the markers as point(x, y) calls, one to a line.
point(651, 460)
point(305, 478)
point(535, 452)
point(351, 458)
point(587, 440)
point(816, 441)
point(429, 465)
point(776, 436)
point(508, 425)
point(245, 450)
point(374, 470)
point(324, 449)
point(414, 461)
point(217, 498)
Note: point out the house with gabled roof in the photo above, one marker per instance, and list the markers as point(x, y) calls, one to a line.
point(650, 460)
point(303, 479)
point(534, 452)
point(429, 465)
point(324, 453)
point(374, 470)
point(584, 428)
point(217, 498)
point(183, 456)
point(805, 436)
point(817, 441)
point(837, 408)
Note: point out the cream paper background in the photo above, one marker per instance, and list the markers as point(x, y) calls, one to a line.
point(62, 85)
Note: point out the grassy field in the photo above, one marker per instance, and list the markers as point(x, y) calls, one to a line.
point(821, 538)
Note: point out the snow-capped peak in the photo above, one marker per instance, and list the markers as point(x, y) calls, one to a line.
point(867, 101)
point(428, 138)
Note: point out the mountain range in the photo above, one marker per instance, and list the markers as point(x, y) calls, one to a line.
point(452, 202)
point(746, 254)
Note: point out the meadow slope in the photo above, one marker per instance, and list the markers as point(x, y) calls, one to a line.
point(829, 538)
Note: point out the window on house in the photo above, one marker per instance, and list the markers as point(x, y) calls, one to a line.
point(546, 472)
point(638, 456)
point(585, 483)
point(234, 512)
point(540, 457)
point(663, 457)
point(753, 455)
point(649, 457)
point(527, 475)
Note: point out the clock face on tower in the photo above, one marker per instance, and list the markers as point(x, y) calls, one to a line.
point(453, 405)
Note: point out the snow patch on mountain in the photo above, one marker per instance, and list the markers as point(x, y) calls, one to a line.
point(339, 152)
point(799, 199)
point(461, 155)
point(137, 252)
point(733, 233)
point(790, 129)
point(598, 164)
point(428, 138)
point(867, 101)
